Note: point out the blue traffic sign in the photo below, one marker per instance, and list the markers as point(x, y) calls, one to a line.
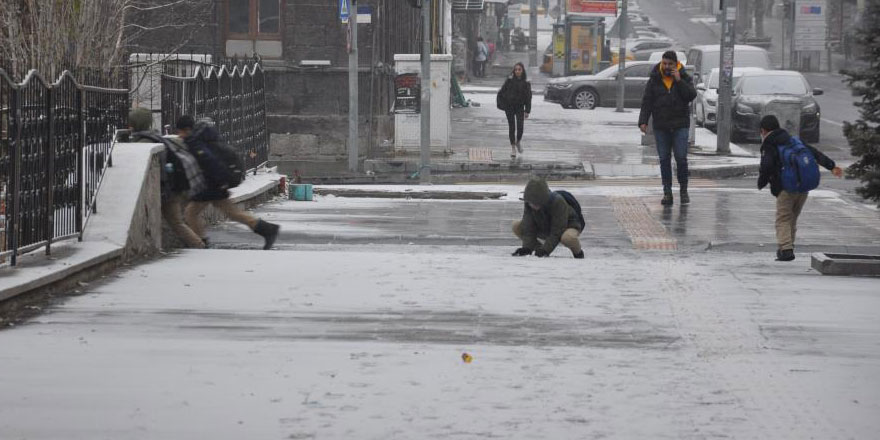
point(344, 10)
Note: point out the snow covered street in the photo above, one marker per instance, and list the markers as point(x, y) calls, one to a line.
point(367, 342)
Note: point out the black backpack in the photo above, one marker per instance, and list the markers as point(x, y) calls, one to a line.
point(229, 161)
point(569, 198)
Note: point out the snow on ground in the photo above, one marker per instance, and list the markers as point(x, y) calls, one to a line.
point(366, 342)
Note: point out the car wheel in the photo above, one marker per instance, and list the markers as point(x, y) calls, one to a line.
point(585, 99)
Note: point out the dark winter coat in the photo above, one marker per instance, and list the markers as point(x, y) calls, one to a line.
point(668, 108)
point(199, 144)
point(515, 95)
point(771, 163)
point(550, 221)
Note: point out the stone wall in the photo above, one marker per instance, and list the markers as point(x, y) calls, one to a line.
point(145, 232)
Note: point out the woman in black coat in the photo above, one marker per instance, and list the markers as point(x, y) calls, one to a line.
point(515, 98)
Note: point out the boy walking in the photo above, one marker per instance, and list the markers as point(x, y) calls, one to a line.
point(777, 150)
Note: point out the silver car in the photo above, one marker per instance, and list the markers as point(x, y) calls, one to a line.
point(707, 95)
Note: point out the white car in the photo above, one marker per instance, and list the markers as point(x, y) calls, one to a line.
point(656, 56)
point(707, 95)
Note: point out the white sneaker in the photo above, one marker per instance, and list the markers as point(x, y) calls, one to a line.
point(512, 150)
point(519, 147)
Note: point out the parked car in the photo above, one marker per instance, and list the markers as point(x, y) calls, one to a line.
point(656, 56)
point(600, 90)
point(643, 49)
point(705, 58)
point(707, 95)
point(777, 92)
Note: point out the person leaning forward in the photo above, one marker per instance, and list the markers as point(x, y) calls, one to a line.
point(788, 204)
point(547, 221)
point(201, 139)
point(180, 175)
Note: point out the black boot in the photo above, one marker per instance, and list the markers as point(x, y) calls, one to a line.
point(785, 255)
point(269, 232)
point(685, 198)
point(579, 255)
point(667, 198)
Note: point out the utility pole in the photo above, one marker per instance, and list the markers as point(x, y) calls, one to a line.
point(533, 33)
point(353, 88)
point(621, 58)
point(725, 71)
point(425, 165)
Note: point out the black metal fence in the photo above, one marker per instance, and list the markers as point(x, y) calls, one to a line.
point(233, 98)
point(55, 143)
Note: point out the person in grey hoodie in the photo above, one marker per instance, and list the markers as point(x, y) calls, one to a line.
point(547, 220)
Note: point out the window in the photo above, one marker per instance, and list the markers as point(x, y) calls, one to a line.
point(253, 19)
point(640, 71)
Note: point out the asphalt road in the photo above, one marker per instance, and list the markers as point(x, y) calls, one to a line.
point(836, 103)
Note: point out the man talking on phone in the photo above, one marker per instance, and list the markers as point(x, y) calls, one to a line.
point(667, 103)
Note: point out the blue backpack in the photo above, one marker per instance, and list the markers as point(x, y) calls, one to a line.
point(800, 172)
point(569, 198)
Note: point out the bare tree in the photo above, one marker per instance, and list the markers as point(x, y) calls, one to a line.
point(53, 35)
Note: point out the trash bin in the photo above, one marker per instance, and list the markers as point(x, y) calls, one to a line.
point(300, 192)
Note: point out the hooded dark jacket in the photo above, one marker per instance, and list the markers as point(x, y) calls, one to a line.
point(771, 164)
point(516, 95)
point(670, 108)
point(549, 222)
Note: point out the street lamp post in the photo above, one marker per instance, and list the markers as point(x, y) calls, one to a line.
point(353, 89)
point(725, 75)
point(425, 144)
point(621, 58)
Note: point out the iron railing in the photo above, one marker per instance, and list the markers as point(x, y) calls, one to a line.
point(55, 143)
point(234, 99)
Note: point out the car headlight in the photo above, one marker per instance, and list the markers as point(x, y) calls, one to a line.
point(711, 102)
point(563, 86)
point(811, 108)
point(742, 108)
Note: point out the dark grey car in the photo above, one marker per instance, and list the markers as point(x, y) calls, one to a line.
point(600, 90)
point(784, 93)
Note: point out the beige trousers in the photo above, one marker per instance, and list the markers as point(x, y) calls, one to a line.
point(172, 211)
point(788, 208)
point(232, 211)
point(569, 237)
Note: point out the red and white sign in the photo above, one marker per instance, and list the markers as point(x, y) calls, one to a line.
point(593, 7)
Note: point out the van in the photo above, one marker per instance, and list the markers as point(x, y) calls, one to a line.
point(705, 58)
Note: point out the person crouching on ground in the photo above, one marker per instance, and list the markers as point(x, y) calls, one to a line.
point(515, 98)
point(788, 204)
point(201, 140)
point(547, 217)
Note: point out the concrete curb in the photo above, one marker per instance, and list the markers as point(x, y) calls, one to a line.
point(724, 172)
point(435, 195)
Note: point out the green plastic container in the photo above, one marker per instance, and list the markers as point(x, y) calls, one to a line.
point(300, 191)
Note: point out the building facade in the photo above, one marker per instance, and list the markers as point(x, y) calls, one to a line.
point(302, 45)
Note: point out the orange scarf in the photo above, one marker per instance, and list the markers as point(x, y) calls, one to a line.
point(667, 80)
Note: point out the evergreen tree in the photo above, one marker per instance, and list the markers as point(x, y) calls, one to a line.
point(864, 134)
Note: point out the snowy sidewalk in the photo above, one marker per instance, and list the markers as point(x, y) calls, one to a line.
point(367, 342)
point(601, 142)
